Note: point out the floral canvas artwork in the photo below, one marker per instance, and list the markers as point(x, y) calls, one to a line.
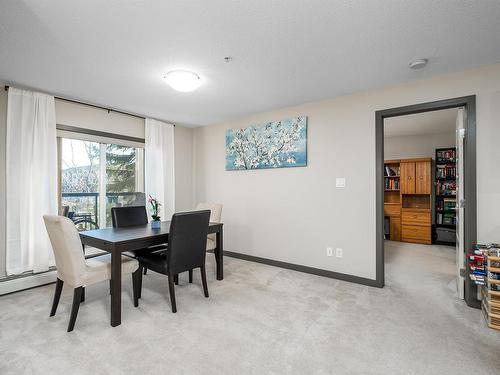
point(277, 144)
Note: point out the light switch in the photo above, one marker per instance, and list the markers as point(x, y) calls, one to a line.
point(340, 182)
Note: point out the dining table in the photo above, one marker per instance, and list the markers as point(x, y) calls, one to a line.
point(116, 241)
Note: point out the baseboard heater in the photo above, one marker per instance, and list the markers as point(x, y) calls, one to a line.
point(27, 282)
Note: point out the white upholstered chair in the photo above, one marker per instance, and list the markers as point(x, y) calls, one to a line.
point(72, 267)
point(215, 217)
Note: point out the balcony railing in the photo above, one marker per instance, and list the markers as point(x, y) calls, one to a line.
point(83, 208)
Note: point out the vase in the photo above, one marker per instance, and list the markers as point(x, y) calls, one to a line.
point(155, 224)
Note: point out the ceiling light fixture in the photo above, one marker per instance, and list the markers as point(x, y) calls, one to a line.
point(418, 64)
point(182, 80)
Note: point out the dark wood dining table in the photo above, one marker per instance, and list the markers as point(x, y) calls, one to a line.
point(118, 240)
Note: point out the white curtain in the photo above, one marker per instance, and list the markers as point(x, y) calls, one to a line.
point(31, 172)
point(159, 165)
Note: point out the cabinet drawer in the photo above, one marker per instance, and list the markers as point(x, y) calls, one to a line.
point(415, 218)
point(415, 233)
point(392, 209)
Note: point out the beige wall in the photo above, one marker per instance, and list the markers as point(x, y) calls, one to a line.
point(183, 168)
point(293, 214)
point(415, 146)
point(82, 116)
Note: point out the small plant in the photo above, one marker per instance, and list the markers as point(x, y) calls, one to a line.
point(155, 206)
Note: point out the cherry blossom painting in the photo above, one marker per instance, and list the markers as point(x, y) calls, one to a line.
point(277, 144)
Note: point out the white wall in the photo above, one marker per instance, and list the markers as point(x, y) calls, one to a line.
point(293, 214)
point(416, 146)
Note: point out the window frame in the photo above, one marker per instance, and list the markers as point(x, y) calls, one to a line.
point(102, 139)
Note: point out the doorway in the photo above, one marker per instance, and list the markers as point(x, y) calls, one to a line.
point(423, 198)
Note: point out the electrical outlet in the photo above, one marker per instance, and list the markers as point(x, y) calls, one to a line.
point(338, 252)
point(329, 252)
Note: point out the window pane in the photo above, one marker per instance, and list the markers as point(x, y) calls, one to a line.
point(122, 178)
point(80, 182)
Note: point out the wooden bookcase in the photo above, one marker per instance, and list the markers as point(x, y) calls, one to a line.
point(446, 193)
point(392, 198)
point(407, 203)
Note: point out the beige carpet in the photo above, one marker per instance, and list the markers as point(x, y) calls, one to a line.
point(260, 320)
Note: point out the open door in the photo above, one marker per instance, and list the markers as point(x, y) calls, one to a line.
point(460, 135)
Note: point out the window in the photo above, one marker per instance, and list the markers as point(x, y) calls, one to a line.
point(96, 174)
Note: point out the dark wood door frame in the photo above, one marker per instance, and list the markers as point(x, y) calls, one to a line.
point(470, 194)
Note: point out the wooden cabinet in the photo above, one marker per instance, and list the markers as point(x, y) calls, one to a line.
point(410, 213)
point(414, 217)
point(416, 177)
point(416, 234)
point(423, 177)
point(395, 228)
point(407, 177)
point(392, 209)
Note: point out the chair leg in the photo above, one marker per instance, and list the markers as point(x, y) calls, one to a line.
point(57, 296)
point(77, 297)
point(190, 276)
point(145, 270)
point(171, 291)
point(83, 294)
point(176, 279)
point(139, 295)
point(135, 285)
point(204, 280)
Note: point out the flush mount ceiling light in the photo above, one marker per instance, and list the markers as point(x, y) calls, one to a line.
point(182, 80)
point(418, 64)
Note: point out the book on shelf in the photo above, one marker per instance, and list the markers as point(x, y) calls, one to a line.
point(446, 218)
point(446, 188)
point(391, 171)
point(446, 204)
point(446, 156)
point(391, 184)
point(446, 172)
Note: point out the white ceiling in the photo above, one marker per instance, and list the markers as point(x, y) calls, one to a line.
point(284, 52)
point(435, 122)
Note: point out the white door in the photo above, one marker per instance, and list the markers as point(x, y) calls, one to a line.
point(460, 135)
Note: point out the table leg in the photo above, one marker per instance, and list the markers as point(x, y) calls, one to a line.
point(83, 288)
point(219, 254)
point(116, 288)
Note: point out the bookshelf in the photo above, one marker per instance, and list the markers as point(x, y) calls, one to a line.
point(445, 196)
point(407, 200)
point(392, 198)
point(391, 176)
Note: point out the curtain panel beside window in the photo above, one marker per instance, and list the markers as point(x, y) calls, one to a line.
point(159, 165)
point(31, 183)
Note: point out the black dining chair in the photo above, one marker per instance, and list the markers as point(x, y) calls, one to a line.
point(187, 241)
point(122, 217)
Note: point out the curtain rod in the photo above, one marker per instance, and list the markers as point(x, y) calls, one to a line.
point(100, 107)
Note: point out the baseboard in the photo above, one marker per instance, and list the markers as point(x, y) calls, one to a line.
point(305, 269)
point(32, 281)
point(27, 282)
